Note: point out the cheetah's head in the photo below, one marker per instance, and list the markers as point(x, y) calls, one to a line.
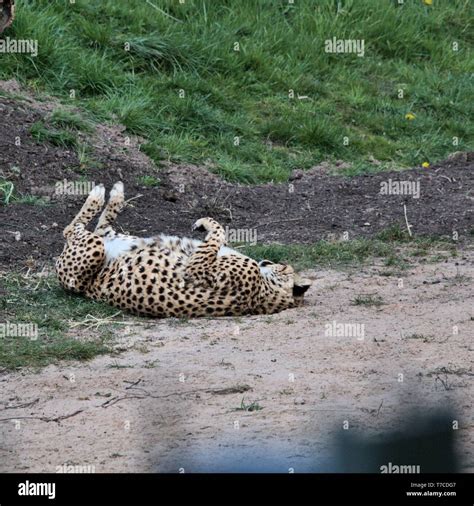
point(284, 277)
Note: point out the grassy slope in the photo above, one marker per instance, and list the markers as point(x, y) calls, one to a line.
point(244, 93)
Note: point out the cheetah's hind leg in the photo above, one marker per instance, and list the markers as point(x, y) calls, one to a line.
point(92, 205)
point(114, 206)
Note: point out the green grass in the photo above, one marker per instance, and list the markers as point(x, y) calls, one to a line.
point(56, 136)
point(23, 352)
point(322, 253)
point(173, 77)
point(393, 245)
point(41, 302)
point(67, 129)
point(61, 129)
point(62, 118)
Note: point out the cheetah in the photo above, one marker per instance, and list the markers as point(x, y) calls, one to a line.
point(168, 276)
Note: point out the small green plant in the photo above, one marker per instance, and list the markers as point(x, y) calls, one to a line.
point(394, 233)
point(9, 196)
point(86, 157)
point(416, 336)
point(148, 181)
point(32, 200)
point(116, 365)
point(367, 300)
point(253, 406)
point(396, 260)
point(6, 191)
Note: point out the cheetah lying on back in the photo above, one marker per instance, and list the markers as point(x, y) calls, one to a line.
point(167, 276)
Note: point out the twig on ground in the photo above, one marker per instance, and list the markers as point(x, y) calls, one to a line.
point(132, 384)
point(278, 221)
point(24, 405)
point(380, 407)
point(56, 419)
point(406, 220)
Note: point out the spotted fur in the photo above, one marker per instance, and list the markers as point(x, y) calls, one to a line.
point(168, 276)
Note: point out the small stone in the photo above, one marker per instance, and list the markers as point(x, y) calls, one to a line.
point(299, 401)
point(296, 174)
point(170, 196)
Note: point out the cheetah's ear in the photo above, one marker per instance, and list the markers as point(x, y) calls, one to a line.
point(300, 286)
point(301, 289)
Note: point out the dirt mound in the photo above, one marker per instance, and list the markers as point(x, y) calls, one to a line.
point(311, 206)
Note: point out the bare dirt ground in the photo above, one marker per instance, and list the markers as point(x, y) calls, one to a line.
point(313, 205)
point(169, 401)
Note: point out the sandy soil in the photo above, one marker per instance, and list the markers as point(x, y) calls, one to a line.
point(168, 402)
